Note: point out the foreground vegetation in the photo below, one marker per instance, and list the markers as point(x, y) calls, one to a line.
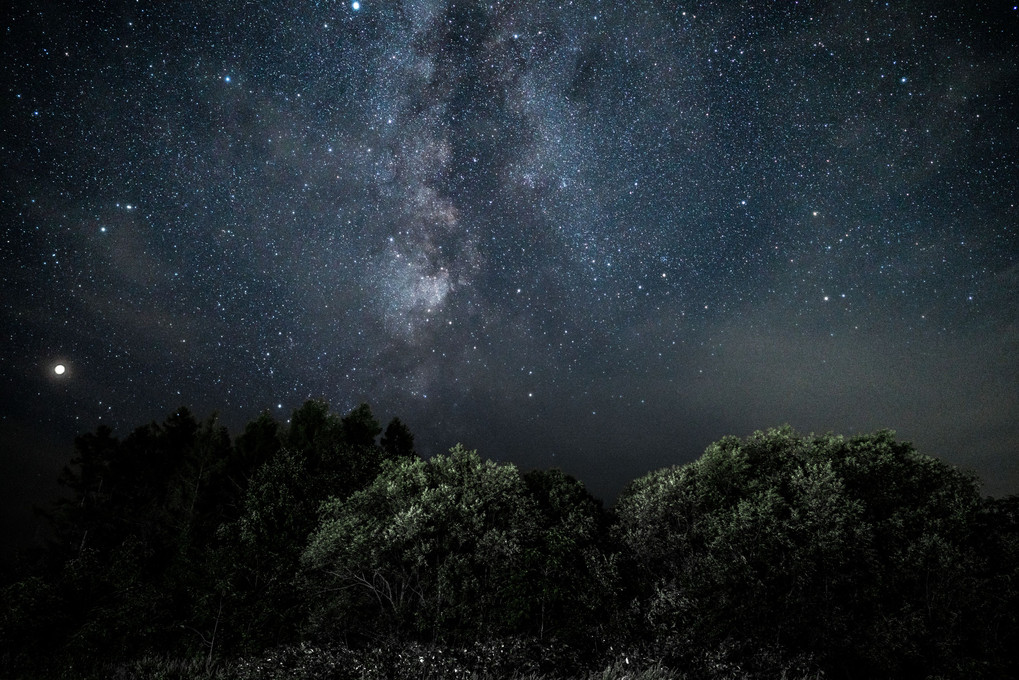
point(328, 548)
point(494, 660)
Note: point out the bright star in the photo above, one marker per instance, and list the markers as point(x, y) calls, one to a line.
point(355, 5)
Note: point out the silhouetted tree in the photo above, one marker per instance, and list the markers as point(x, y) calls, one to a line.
point(568, 580)
point(263, 607)
point(87, 509)
point(261, 440)
point(397, 441)
point(323, 456)
point(314, 432)
point(359, 427)
point(992, 619)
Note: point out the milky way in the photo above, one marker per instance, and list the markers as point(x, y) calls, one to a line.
point(591, 235)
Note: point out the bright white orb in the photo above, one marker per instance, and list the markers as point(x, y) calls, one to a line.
point(355, 5)
point(59, 369)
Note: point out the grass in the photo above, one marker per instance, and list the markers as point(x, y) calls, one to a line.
point(500, 660)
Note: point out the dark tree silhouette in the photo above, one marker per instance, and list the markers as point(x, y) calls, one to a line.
point(359, 427)
point(397, 441)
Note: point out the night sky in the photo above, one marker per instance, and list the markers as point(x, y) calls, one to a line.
point(593, 235)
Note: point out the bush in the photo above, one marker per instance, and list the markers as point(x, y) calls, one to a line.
point(855, 552)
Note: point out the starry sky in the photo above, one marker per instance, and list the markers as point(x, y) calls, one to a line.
point(593, 235)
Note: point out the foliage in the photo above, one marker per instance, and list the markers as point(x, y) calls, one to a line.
point(328, 548)
point(32, 610)
point(320, 455)
point(429, 547)
point(262, 600)
point(494, 659)
point(163, 668)
point(456, 546)
point(176, 539)
point(855, 551)
point(569, 579)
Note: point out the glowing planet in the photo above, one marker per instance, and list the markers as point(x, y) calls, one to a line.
point(59, 369)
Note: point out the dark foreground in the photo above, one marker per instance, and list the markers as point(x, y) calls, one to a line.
point(327, 548)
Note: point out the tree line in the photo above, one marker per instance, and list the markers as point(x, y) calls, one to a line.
point(858, 557)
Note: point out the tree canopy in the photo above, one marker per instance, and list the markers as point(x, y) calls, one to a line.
point(855, 551)
point(854, 556)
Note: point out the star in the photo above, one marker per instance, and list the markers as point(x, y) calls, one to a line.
point(379, 195)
